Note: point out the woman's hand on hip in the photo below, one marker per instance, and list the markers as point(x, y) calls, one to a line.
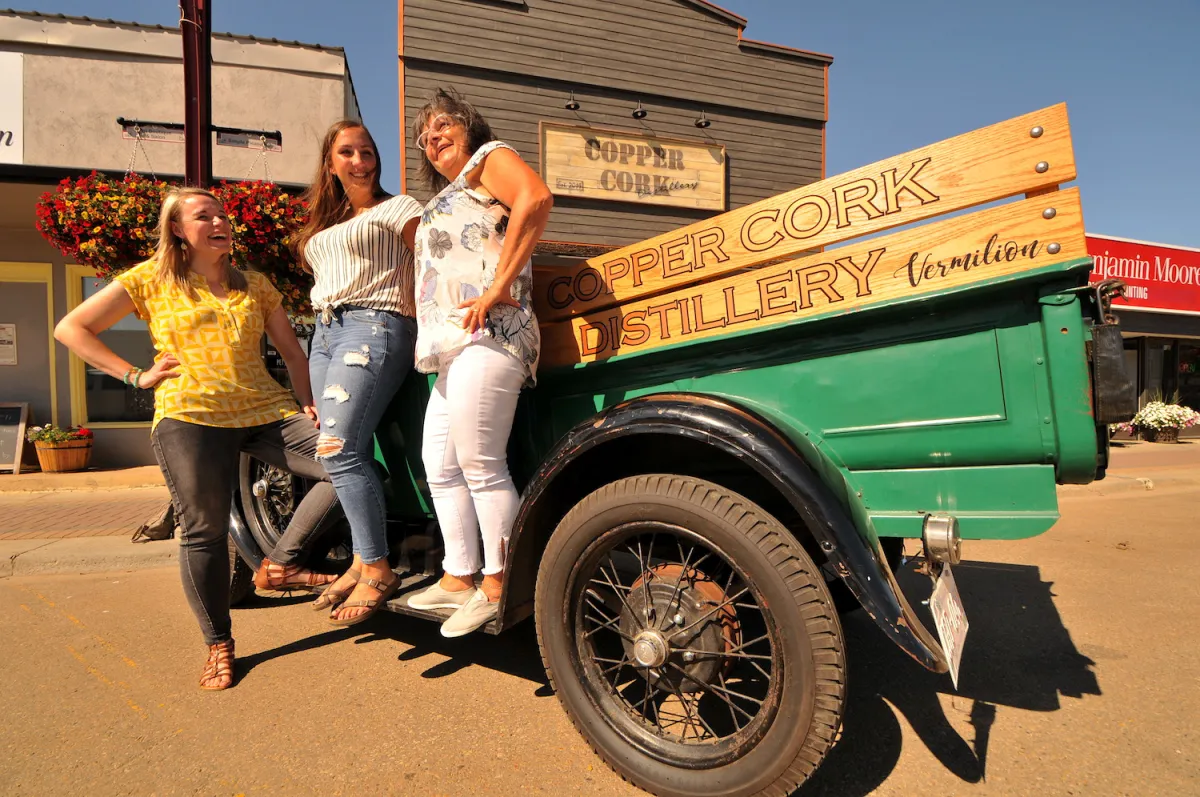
point(162, 370)
point(477, 309)
point(311, 412)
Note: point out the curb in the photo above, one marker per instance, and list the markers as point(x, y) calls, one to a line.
point(83, 555)
point(83, 481)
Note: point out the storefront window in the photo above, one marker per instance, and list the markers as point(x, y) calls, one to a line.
point(108, 400)
point(1189, 374)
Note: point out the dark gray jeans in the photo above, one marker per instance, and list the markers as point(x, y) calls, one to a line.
point(200, 465)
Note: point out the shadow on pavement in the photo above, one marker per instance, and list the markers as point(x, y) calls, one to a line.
point(247, 663)
point(1017, 654)
point(259, 600)
point(513, 653)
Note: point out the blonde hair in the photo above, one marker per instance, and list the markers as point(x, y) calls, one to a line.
point(171, 262)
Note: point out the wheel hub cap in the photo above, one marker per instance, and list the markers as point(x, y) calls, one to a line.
point(650, 649)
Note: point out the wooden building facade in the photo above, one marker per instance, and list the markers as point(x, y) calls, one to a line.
point(643, 115)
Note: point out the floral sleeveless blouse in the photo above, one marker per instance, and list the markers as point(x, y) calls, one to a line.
point(458, 248)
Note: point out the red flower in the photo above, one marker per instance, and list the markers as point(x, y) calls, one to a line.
point(263, 217)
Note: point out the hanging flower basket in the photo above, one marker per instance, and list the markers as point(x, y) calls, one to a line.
point(102, 222)
point(264, 219)
point(110, 224)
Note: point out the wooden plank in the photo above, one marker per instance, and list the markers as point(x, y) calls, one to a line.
point(619, 166)
point(948, 254)
point(992, 163)
point(659, 48)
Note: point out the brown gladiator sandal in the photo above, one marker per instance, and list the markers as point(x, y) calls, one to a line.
point(332, 598)
point(274, 577)
point(219, 666)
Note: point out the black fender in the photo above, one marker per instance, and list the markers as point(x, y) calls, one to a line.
point(854, 553)
point(246, 544)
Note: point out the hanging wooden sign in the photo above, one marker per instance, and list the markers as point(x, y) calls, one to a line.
point(1022, 155)
point(627, 167)
point(936, 258)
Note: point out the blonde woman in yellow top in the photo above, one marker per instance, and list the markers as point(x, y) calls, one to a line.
point(213, 399)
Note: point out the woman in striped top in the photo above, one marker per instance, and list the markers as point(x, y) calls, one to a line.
point(358, 244)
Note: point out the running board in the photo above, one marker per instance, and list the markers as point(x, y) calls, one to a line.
point(411, 583)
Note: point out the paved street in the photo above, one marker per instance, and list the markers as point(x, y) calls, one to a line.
point(1080, 677)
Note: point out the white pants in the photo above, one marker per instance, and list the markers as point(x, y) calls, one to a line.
point(465, 451)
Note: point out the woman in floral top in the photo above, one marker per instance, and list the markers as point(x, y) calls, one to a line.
point(476, 330)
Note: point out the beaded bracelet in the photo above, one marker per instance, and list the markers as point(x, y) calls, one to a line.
point(131, 377)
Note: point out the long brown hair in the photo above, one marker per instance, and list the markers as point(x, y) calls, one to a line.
point(327, 201)
point(170, 257)
point(454, 105)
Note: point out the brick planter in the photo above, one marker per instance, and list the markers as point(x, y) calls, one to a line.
point(1168, 434)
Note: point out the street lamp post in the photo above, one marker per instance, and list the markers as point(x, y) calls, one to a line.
point(196, 26)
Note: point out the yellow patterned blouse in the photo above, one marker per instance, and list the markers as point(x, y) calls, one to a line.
point(223, 380)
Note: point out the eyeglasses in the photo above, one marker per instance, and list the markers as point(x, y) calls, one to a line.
point(437, 125)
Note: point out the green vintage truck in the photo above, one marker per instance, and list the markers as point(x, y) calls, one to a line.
point(736, 429)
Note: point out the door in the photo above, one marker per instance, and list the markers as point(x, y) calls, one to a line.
point(26, 310)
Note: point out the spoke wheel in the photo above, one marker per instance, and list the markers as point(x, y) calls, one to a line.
point(690, 638)
point(659, 620)
point(269, 497)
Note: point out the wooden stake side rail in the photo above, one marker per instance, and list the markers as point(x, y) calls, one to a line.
point(1022, 155)
point(985, 245)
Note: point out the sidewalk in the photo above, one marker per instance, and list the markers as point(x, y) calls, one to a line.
point(1137, 466)
point(80, 522)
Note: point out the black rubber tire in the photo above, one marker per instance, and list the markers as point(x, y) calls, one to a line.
point(813, 682)
point(241, 577)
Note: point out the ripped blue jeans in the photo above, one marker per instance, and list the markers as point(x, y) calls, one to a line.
point(359, 359)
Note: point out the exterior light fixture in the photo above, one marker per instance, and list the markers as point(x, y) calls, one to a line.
point(639, 112)
point(572, 104)
point(703, 121)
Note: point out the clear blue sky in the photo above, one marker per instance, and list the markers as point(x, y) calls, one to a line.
point(905, 74)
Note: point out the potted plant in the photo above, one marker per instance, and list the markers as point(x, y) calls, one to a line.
point(1160, 422)
point(61, 450)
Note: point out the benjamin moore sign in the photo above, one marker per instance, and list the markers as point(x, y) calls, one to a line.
point(627, 167)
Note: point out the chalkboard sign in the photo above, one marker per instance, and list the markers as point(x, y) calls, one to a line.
point(13, 417)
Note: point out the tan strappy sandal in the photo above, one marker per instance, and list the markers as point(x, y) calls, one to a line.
point(274, 577)
point(219, 666)
point(372, 605)
point(332, 598)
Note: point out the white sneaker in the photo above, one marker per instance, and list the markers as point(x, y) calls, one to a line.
point(436, 597)
point(476, 612)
